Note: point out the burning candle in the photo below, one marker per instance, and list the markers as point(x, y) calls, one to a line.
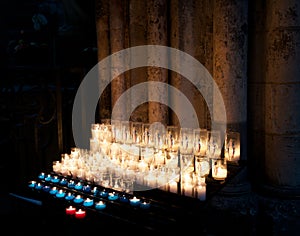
point(41, 175)
point(60, 194)
point(70, 210)
point(48, 177)
point(53, 191)
point(173, 186)
point(134, 201)
point(78, 186)
point(55, 179)
point(145, 205)
point(188, 189)
point(100, 205)
point(69, 197)
point(63, 181)
point(123, 198)
point(38, 186)
point(71, 184)
point(86, 188)
point(201, 192)
point(103, 193)
point(88, 202)
point(219, 169)
point(80, 214)
point(78, 199)
point(46, 188)
point(113, 196)
point(32, 184)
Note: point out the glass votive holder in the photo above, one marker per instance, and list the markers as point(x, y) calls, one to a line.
point(219, 169)
point(172, 138)
point(201, 191)
point(232, 146)
point(202, 166)
point(186, 141)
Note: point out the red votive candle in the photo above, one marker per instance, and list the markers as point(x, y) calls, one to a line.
point(80, 214)
point(70, 210)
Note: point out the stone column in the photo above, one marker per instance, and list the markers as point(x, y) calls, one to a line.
point(277, 100)
point(102, 29)
point(157, 35)
point(230, 45)
point(117, 42)
point(137, 37)
point(230, 28)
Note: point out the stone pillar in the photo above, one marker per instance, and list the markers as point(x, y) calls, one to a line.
point(102, 29)
point(157, 35)
point(277, 100)
point(203, 51)
point(230, 45)
point(230, 28)
point(137, 37)
point(117, 42)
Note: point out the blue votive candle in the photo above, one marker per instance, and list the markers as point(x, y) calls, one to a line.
point(113, 196)
point(88, 202)
point(46, 188)
point(32, 184)
point(100, 205)
point(103, 193)
point(41, 176)
point(86, 188)
point(53, 191)
point(71, 184)
point(63, 181)
point(134, 201)
point(48, 177)
point(60, 194)
point(69, 197)
point(144, 205)
point(78, 186)
point(78, 199)
point(123, 198)
point(55, 179)
point(38, 186)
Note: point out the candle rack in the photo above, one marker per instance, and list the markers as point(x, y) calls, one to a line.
point(164, 208)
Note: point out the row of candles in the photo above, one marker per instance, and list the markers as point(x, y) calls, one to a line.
point(76, 193)
point(124, 154)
